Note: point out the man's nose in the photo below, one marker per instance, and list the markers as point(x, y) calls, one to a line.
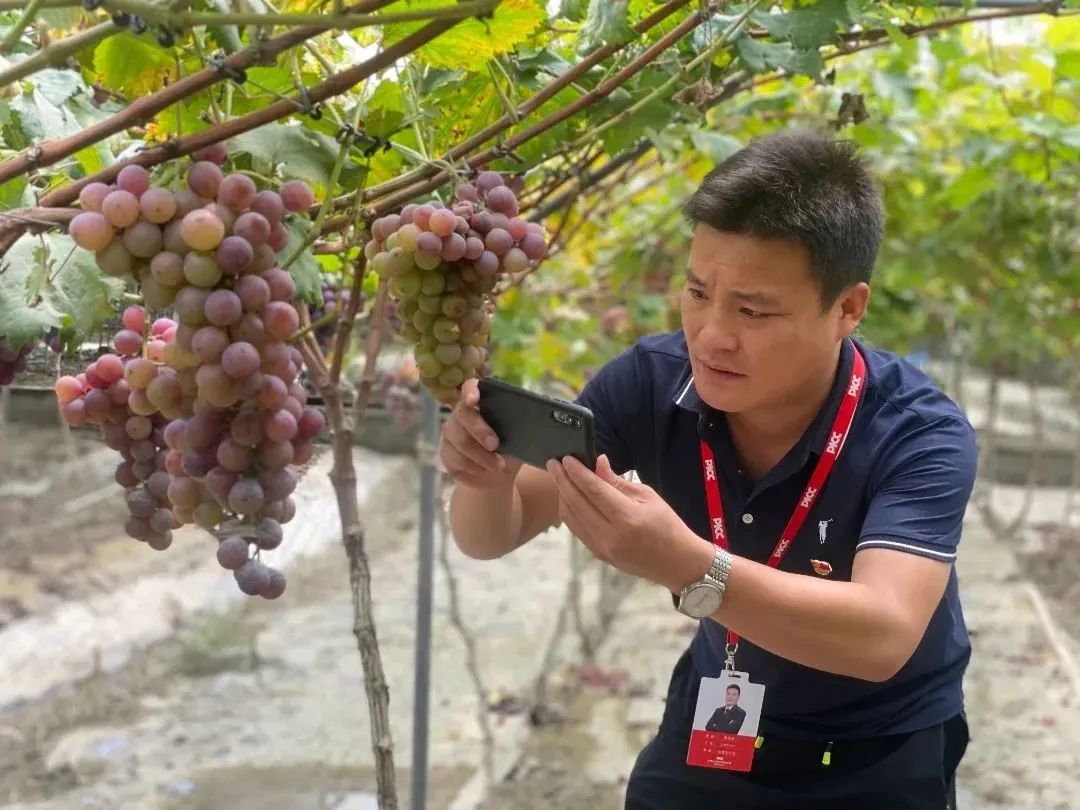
point(718, 335)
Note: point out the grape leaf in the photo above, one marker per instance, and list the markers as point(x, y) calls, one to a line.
point(58, 85)
point(761, 56)
point(608, 22)
point(12, 193)
point(132, 65)
point(472, 42)
point(385, 110)
point(808, 27)
point(297, 151)
point(305, 270)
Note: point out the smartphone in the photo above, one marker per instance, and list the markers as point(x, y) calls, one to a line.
point(536, 428)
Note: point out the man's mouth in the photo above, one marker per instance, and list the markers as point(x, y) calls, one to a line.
point(723, 371)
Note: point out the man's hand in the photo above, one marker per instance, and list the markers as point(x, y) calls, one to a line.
point(468, 444)
point(628, 525)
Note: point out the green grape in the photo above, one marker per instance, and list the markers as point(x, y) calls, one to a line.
point(157, 295)
point(407, 236)
point(381, 264)
point(400, 262)
point(410, 284)
point(446, 330)
point(448, 353)
point(428, 341)
point(454, 306)
point(471, 357)
point(426, 261)
point(452, 377)
point(430, 304)
point(115, 260)
point(432, 282)
point(202, 269)
point(410, 332)
point(201, 229)
point(407, 309)
point(423, 321)
point(427, 363)
point(392, 241)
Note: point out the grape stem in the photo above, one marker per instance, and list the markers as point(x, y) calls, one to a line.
point(325, 320)
point(53, 55)
point(372, 348)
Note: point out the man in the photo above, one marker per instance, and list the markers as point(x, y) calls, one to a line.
point(728, 718)
point(761, 417)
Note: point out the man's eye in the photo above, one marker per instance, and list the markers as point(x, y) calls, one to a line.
point(751, 313)
point(696, 294)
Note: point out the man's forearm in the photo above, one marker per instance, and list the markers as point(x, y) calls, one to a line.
point(486, 523)
point(846, 628)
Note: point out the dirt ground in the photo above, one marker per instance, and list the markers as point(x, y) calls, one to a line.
point(137, 680)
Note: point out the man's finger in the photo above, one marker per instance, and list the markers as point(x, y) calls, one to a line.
point(474, 424)
point(592, 518)
point(605, 497)
point(454, 459)
point(466, 447)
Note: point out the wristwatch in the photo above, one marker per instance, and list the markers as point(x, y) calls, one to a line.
point(704, 597)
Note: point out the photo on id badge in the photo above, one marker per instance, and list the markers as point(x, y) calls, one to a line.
point(726, 722)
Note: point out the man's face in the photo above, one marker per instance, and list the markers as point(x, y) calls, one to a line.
point(754, 324)
point(731, 696)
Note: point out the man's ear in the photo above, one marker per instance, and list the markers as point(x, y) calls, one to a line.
point(850, 308)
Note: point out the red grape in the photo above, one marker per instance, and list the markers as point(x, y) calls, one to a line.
point(297, 196)
point(240, 359)
point(92, 195)
point(223, 308)
point(204, 178)
point(91, 231)
point(237, 191)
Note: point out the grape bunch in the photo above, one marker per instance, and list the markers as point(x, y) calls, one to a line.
point(236, 422)
point(13, 359)
point(442, 264)
point(125, 394)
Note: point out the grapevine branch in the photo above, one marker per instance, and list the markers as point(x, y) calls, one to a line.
point(372, 348)
point(529, 105)
point(145, 108)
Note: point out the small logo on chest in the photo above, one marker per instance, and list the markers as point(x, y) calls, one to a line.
point(823, 529)
point(710, 470)
point(821, 567)
point(833, 447)
point(717, 529)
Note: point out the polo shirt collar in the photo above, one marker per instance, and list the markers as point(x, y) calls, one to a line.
point(813, 439)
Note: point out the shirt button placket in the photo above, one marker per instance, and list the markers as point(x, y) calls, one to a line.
point(747, 518)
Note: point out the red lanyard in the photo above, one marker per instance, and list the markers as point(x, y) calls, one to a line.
point(845, 415)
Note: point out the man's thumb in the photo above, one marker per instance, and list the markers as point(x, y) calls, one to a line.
point(603, 469)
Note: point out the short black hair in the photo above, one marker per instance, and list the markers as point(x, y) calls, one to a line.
point(734, 686)
point(803, 187)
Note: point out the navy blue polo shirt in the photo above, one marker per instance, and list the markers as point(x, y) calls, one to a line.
point(902, 482)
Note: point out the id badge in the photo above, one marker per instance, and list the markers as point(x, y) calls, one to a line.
point(726, 722)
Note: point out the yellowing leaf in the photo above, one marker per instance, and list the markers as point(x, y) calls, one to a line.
point(471, 43)
point(133, 66)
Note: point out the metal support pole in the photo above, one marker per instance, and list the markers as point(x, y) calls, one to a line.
point(421, 685)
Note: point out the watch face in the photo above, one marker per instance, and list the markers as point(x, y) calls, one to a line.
point(701, 601)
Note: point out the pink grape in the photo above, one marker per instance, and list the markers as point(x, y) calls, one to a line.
point(134, 179)
point(265, 258)
point(249, 387)
point(184, 492)
point(275, 359)
point(138, 427)
point(201, 229)
point(171, 238)
point(293, 406)
point(121, 208)
point(196, 463)
point(127, 342)
point(498, 241)
point(302, 452)
point(232, 553)
point(92, 195)
point(163, 521)
point(74, 413)
point(282, 286)
point(186, 202)
point(233, 456)
point(278, 239)
point(454, 247)
point(517, 228)
point(253, 577)
point(167, 269)
point(174, 462)
point(515, 260)
point(143, 239)
point(215, 153)
point(407, 213)
point(467, 192)
point(280, 426)
point(224, 213)
point(93, 378)
point(275, 585)
point(110, 368)
point(274, 455)
point(269, 204)
point(67, 389)
point(280, 319)
point(161, 326)
point(219, 481)
point(246, 427)
point(175, 433)
point(97, 405)
point(120, 392)
point(235, 254)
point(208, 342)
point(204, 178)
point(310, 424)
point(488, 180)
point(164, 392)
point(487, 264)
point(246, 496)
point(216, 387)
point(223, 308)
point(481, 222)
point(237, 191)
point(297, 196)
point(254, 293)
point(157, 205)
point(534, 246)
point(442, 222)
point(91, 231)
point(134, 318)
point(274, 393)
point(125, 476)
point(277, 484)
point(253, 227)
point(241, 359)
point(141, 503)
point(422, 216)
point(502, 200)
point(268, 534)
point(429, 243)
point(249, 329)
